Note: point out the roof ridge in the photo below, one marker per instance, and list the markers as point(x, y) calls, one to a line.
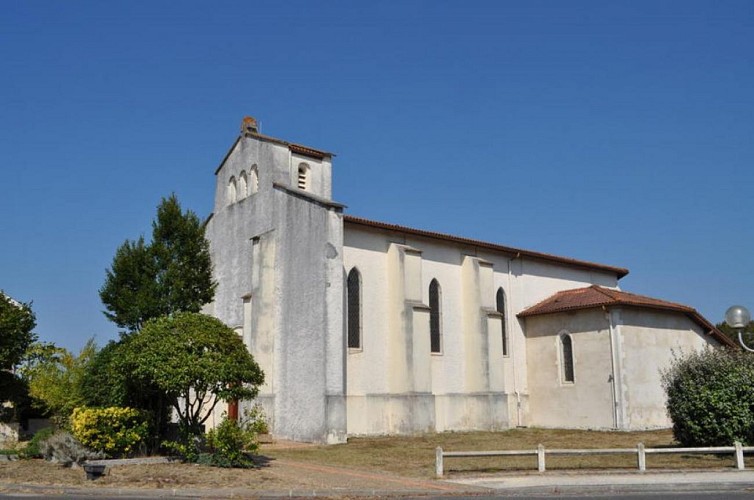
point(605, 291)
point(628, 295)
point(619, 271)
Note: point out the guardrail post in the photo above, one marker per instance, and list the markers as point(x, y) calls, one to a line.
point(739, 456)
point(642, 457)
point(541, 458)
point(438, 462)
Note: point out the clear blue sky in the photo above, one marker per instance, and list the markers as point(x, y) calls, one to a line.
point(617, 132)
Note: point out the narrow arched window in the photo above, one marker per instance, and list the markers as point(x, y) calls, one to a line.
point(253, 180)
point(242, 186)
point(232, 190)
point(500, 306)
point(303, 177)
point(566, 353)
point(353, 290)
point(435, 317)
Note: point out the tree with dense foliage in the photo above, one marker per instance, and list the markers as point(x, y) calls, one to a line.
point(197, 361)
point(172, 273)
point(747, 332)
point(16, 324)
point(17, 321)
point(711, 397)
point(108, 381)
point(54, 377)
point(105, 381)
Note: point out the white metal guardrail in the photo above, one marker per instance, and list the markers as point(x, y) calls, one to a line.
point(640, 451)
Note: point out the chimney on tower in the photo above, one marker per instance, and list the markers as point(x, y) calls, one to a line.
point(249, 125)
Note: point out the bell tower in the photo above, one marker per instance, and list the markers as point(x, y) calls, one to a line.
point(276, 238)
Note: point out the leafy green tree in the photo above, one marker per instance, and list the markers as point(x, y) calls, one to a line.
point(13, 390)
point(54, 377)
point(105, 380)
point(16, 324)
point(711, 397)
point(171, 274)
point(108, 381)
point(130, 289)
point(197, 361)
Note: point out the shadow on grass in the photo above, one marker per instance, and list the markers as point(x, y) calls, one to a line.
point(262, 461)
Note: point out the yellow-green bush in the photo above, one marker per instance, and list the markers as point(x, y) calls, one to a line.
point(115, 431)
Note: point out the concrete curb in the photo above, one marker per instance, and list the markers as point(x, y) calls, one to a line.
point(224, 493)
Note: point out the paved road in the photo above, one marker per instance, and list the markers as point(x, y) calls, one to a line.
point(644, 496)
point(611, 485)
point(633, 496)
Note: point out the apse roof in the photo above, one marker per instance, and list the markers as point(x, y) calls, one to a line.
point(598, 296)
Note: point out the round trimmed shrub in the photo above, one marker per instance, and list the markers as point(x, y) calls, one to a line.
point(710, 397)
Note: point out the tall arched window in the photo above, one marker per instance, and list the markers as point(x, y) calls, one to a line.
point(303, 176)
point(435, 317)
point(566, 353)
point(353, 290)
point(253, 180)
point(242, 186)
point(232, 190)
point(500, 306)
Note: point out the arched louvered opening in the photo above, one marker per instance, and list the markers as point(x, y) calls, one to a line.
point(435, 317)
point(303, 177)
point(353, 290)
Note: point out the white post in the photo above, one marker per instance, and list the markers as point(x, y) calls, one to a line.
point(438, 462)
point(739, 456)
point(642, 457)
point(541, 458)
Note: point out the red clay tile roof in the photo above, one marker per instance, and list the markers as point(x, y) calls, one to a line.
point(598, 296)
point(516, 252)
point(306, 151)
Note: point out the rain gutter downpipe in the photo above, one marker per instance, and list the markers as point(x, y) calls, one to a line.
point(510, 341)
point(617, 424)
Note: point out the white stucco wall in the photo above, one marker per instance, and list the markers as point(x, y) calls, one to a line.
point(650, 340)
point(644, 343)
point(586, 403)
point(472, 384)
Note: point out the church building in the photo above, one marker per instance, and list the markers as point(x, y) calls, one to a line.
point(368, 328)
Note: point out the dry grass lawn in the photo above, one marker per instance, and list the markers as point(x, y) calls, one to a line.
point(409, 457)
point(415, 456)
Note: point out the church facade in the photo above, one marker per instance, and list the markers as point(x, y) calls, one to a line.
point(366, 328)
